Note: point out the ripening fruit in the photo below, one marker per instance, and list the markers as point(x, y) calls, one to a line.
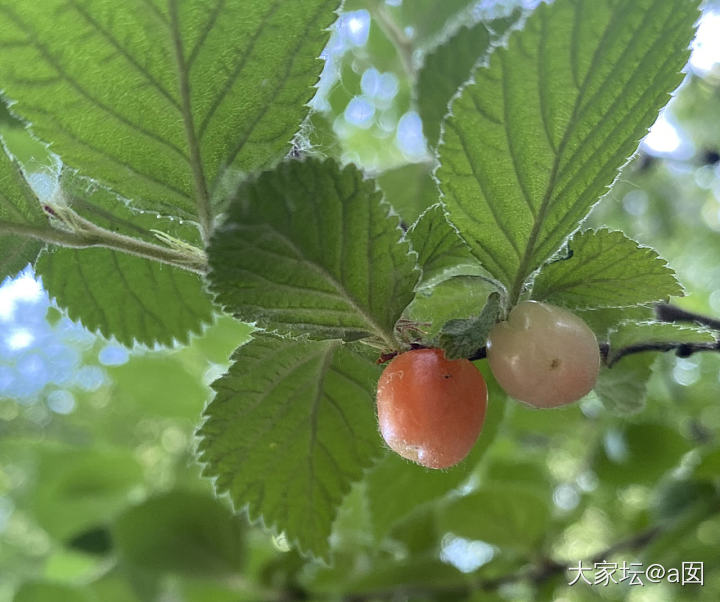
point(543, 355)
point(431, 409)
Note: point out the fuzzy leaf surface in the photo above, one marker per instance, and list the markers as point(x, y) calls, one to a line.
point(606, 269)
point(463, 337)
point(410, 190)
point(623, 388)
point(449, 65)
point(291, 427)
point(126, 297)
point(120, 295)
point(602, 321)
point(19, 208)
point(437, 244)
point(541, 132)
point(309, 248)
point(157, 99)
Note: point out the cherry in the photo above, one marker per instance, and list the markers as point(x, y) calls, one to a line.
point(543, 355)
point(431, 409)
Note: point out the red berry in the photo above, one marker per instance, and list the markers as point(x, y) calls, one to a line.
point(431, 409)
point(543, 355)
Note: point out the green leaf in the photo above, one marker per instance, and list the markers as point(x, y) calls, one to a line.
point(622, 388)
point(606, 269)
point(77, 491)
point(310, 248)
point(120, 295)
point(416, 573)
point(39, 591)
point(601, 321)
point(457, 297)
point(630, 334)
point(101, 206)
point(181, 532)
point(503, 514)
point(158, 100)
point(291, 427)
point(396, 488)
point(94, 541)
point(410, 190)
point(675, 496)
point(113, 586)
point(709, 466)
point(438, 246)
point(462, 338)
point(538, 136)
point(429, 17)
point(126, 297)
point(639, 453)
point(449, 66)
point(19, 210)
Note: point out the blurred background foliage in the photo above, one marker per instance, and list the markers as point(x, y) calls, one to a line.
point(101, 500)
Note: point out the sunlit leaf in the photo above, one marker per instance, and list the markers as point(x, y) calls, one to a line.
point(157, 100)
point(449, 65)
point(309, 248)
point(455, 298)
point(410, 190)
point(438, 245)
point(606, 269)
point(601, 321)
point(541, 132)
point(291, 427)
point(126, 297)
point(20, 211)
point(120, 295)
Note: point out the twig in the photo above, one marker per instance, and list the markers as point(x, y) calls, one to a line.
point(80, 233)
point(393, 33)
point(537, 574)
point(681, 349)
point(665, 312)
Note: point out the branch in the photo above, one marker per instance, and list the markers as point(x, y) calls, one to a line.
point(681, 349)
point(396, 35)
point(670, 313)
point(537, 574)
point(664, 313)
point(550, 568)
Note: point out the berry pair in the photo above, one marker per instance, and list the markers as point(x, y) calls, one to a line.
point(431, 410)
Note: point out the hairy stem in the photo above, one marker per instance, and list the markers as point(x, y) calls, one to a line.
point(396, 35)
point(82, 234)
